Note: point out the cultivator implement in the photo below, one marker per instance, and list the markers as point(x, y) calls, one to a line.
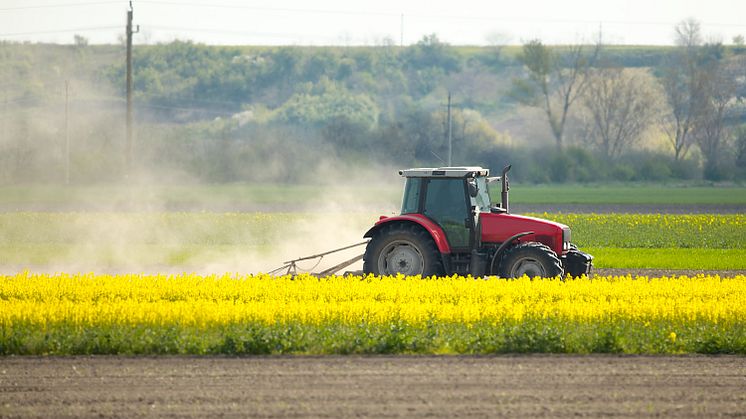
point(290, 267)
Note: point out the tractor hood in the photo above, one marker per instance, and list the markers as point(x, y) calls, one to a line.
point(496, 228)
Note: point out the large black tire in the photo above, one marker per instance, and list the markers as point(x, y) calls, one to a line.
point(402, 248)
point(532, 259)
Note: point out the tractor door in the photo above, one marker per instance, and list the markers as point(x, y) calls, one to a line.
point(447, 203)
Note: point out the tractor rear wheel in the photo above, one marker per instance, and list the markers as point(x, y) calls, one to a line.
point(531, 259)
point(404, 249)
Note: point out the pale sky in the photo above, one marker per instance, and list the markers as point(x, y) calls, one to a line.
point(338, 22)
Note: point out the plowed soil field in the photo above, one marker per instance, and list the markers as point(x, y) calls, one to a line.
point(352, 386)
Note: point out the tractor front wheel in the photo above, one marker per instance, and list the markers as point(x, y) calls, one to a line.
point(531, 259)
point(402, 249)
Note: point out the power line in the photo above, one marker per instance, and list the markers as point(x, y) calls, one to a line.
point(50, 6)
point(222, 31)
point(270, 9)
point(95, 28)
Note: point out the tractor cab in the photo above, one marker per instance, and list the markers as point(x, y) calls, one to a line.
point(452, 197)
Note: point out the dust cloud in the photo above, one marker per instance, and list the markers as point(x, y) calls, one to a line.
point(69, 203)
point(152, 238)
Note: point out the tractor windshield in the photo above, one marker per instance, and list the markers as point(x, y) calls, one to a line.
point(483, 195)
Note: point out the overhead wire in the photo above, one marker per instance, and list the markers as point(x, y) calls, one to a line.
point(409, 15)
point(52, 6)
point(423, 16)
point(223, 31)
point(88, 29)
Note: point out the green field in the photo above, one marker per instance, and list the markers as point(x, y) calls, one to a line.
point(102, 240)
point(302, 197)
point(111, 197)
point(628, 195)
point(668, 258)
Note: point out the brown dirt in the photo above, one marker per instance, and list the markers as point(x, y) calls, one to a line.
point(396, 386)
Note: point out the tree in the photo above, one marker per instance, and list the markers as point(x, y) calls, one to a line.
point(80, 41)
point(683, 90)
point(432, 52)
point(561, 79)
point(740, 142)
point(623, 105)
point(332, 104)
point(497, 41)
point(717, 80)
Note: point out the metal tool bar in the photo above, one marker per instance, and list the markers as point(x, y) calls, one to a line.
point(326, 253)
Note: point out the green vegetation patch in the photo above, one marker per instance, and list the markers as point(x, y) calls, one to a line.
point(628, 195)
point(668, 258)
point(529, 335)
point(709, 231)
point(122, 240)
point(293, 198)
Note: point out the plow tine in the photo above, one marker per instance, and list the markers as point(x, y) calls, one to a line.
point(287, 266)
point(335, 268)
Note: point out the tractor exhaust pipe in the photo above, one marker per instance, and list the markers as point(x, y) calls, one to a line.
point(505, 188)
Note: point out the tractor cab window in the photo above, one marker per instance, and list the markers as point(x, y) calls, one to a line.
point(411, 201)
point(482, 200)
point(446, 204)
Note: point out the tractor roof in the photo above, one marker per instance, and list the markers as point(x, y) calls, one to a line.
point(457, 172)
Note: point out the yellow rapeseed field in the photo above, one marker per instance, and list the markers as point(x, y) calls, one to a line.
point(91, 306)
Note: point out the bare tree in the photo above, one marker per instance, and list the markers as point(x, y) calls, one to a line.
point(701, 85)
point(688, 33)
point(718, 83)
point(560, 77)
point(682, 85)
point(623, 105)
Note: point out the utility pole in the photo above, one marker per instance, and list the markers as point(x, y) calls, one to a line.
point(450, 142)
point(128, 146)
point(5, 116)
point(67, 134)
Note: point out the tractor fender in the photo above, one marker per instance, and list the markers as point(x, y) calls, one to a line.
point(504, 246)
point(431, 227)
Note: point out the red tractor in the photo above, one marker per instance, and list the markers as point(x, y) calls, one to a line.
point(448, 225)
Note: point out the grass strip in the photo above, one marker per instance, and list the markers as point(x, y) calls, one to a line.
point(668, 258)
point(531, 335)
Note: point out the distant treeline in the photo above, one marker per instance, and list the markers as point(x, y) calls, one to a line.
point(222, 114)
